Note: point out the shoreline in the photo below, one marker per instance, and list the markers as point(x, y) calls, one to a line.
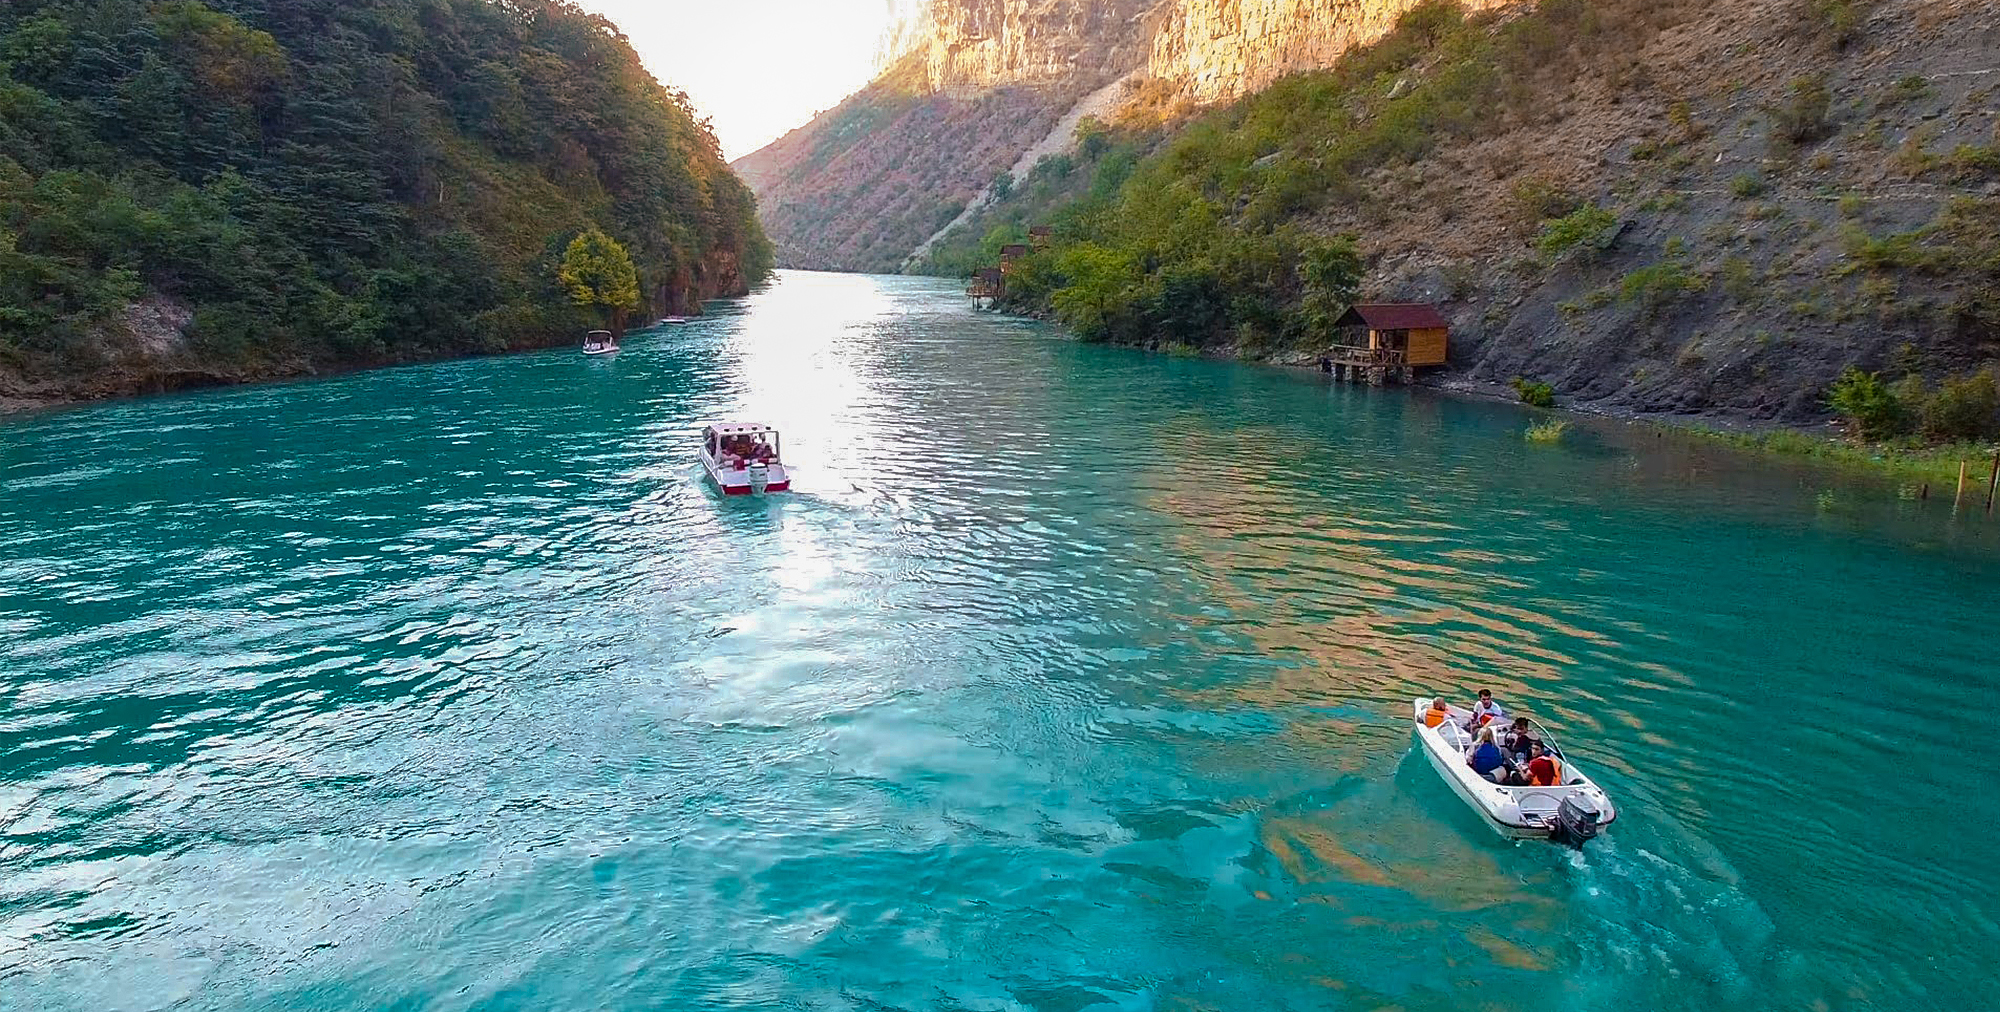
point(1932, 467)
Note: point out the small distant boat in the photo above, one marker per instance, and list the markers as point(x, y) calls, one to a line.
point(1571, 813)
point(600, 342)
point(668, 321)
point(742, 458)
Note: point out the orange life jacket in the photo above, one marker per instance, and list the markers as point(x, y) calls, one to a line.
point(1555, 771)
point(1436, 717)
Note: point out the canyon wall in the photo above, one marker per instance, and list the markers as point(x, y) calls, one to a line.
point(979, 44)
point(967, 86)
point(1214, 50)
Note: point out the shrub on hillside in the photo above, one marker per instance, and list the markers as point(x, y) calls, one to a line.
point(1588, 227)
point(1660, 285)
point(1839, 22)
point(1805, 117)
point(1538, 199)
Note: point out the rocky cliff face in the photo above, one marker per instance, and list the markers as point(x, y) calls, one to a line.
point(969, 85)
point(1213, 50)
point(968, 45)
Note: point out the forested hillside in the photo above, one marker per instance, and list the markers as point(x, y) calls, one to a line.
point(213, 192)
point(1660, 206)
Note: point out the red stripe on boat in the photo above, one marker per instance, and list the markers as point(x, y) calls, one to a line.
point(736, 490)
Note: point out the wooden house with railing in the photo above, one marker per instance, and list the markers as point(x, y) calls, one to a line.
point(987, 286)
point(1040, 236)
point(1010, 253)
point(1385, 341)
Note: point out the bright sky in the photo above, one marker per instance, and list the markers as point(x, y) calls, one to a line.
point(758, 67)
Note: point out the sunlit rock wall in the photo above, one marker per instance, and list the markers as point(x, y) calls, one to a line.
point(1215, 50)
point(973, 44)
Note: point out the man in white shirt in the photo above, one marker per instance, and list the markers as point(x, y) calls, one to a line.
point(1485, 712)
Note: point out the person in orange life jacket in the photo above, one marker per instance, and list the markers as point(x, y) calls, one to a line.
point(1439, 712)
point(1544, 769)
point(1485, 712)
point(1486, 759)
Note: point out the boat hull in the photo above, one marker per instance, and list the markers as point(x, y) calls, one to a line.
point(1517, 813)
point(739, 481)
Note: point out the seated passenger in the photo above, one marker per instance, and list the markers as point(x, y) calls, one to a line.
point(1439, 712)
point(1544, 769)
point(1485, 712)
point(1486, 759)
point(1519, 740)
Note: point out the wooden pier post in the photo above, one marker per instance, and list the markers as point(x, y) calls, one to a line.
point(1992, 482)
point(1959, 499)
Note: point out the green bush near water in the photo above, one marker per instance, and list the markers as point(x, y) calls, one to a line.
point(1959, 408)
point(1534, 393)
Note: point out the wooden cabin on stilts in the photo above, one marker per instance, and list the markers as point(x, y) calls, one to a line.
point(1387, 342)
point(987, 287)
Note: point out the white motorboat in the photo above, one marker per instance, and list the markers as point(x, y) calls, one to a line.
point(600, 342)
point(742, 458)
point(670, 321)
point(1572, 812)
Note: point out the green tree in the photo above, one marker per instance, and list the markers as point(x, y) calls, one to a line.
point(1330, 280)
point(598, 274)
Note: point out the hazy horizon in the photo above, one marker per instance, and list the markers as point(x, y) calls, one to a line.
point(758, 68)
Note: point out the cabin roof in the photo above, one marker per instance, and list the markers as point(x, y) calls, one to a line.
point(1394, 316)
point(738, 428)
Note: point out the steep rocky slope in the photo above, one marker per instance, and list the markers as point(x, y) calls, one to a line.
point(1660, 207)
point(972, 84)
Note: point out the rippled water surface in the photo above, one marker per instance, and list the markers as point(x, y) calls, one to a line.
point(1069, 679)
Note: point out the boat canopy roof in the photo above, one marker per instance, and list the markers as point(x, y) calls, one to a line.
point(737, 428)
point(597, 333)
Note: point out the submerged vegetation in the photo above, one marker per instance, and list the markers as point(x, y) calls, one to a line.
point(250, 187)
point(1549, 431)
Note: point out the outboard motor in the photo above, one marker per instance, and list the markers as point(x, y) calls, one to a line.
point(1577, 821)
point(760, 475)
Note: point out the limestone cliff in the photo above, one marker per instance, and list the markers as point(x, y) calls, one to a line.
point(969, 45)
point(969, 85)
point(1213, 50)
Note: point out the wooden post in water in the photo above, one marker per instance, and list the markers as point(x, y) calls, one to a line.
point(1992, 482)
point(1959, 499)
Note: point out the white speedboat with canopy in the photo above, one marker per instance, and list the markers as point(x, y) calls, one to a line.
point(1573, 811)
point(600, 342)
point(743, 458)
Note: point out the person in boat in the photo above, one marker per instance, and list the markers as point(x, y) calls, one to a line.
point(1519, 740)
point(760, 450)
point(1485, 712)
point(1439, 712)
point(1486, 758)
point(1544, 769)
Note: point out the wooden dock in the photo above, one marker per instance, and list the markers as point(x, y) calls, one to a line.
point(1375, 366)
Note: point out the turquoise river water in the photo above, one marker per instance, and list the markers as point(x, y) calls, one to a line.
point(1071, 678)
